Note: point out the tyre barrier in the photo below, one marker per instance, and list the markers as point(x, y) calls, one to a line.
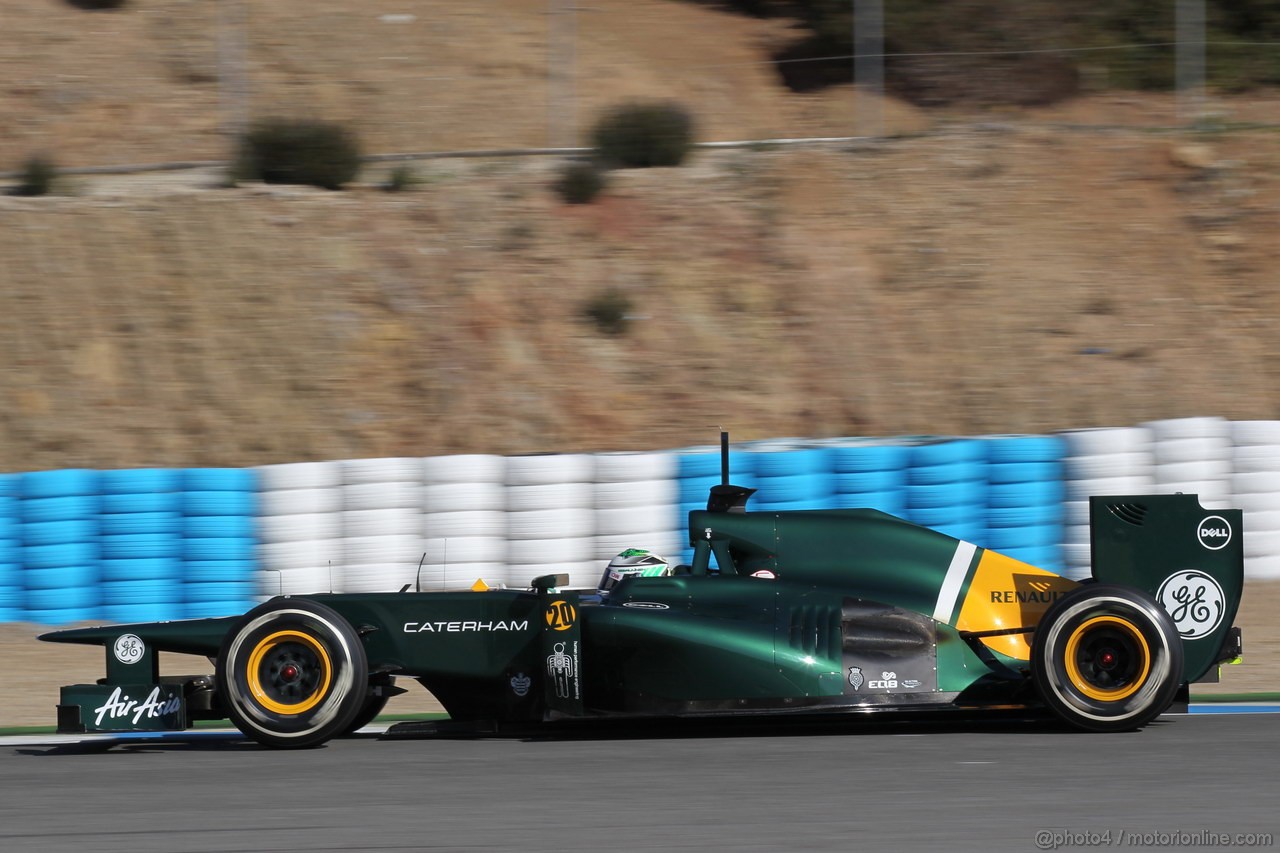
point(464, 526)
point(219, 513)
point(141, 535)
point(58, 513)
point(153, 544)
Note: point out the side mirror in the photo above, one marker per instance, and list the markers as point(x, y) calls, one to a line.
point(542, 583)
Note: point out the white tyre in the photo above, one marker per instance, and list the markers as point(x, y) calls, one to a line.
point(549, 550)
point(633, 467)
point(1260, 457)
point(545, 469)
point(1085, 489)
point(300, 581)
point(1261, 543)
point(1218, 429)
point(299, 475)
point(1076, 554)
point(584, 575)
point(1077, 534)
point(403, 494)
point(1262, 521)
point(357, 472)
point(387, 550)
point(378, 577)
point(634, 518)
point(1093, 442)
point(1251, 503)
point(1262, 568)
point(1075, 512)
point(1262, 482)
point(1207, 490)
point(462, 576)
point(1108, 465)
point(1175, 450)
point(299, 501)
point(438, 525)
point(549, 496)
point(382, 522)
point(1203, 469)
point(300, 555)
point(296, 528)
point(464, 468)
point(665, 543)
point(465, 549)
point(1255, 432)
point(551, 524)
point(464, 497)
point(635, 493)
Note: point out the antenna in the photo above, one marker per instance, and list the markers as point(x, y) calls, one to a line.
point(418, 581)
point(724, 457)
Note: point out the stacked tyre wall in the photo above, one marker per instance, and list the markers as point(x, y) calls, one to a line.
point(142, 545)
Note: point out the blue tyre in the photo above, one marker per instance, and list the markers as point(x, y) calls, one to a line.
point(59, 532)
point(57, 556)
point(66, 482)
point(143, 502)
point(215, 571)
point(219, 479)
point(141, 546)
point(35, 510)
point(127, 523)
point(219, 503)
point(219, 549)
point(145, 569)
point(140, 481)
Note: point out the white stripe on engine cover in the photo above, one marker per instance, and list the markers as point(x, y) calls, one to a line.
point(951, 584)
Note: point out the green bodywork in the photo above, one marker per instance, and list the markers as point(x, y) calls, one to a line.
point(788, 611)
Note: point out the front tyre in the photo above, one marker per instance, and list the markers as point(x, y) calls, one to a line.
point(1107, 658)
point(292, 674)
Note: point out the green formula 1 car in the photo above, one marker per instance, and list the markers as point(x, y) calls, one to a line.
point(826, 611)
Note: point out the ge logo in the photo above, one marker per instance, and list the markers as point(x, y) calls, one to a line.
point(129, 648)
point(1194, 600)
point(1214, 533)
point(561, 615)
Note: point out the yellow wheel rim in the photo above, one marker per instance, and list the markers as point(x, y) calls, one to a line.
point(1077, 675)
point(264, 648)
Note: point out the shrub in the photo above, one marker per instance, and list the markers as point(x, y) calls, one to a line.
point(610, 312)
point(644, 134)
point(401, 178)
point(36, 178)
point(298, 151)
point(97, 4)
point(580, 182)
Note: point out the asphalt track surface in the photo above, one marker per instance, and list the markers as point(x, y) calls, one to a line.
point(951, 785)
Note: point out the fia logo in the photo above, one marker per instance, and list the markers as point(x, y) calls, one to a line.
point(855, 677)
point(886, 681)
point(1194, 600)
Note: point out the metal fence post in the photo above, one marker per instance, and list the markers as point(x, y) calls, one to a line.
point(1190, 59)
point(868, 67)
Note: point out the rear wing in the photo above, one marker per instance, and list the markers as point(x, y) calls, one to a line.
point(1189, 558)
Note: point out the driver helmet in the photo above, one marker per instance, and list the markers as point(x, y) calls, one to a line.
point(633, 561)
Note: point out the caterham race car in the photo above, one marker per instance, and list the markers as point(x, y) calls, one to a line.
point(779, 613)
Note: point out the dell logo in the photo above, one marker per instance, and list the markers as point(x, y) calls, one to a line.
point(1214, 533)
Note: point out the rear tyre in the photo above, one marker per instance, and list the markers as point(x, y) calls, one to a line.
point(1107, 658)
point(292, 674)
